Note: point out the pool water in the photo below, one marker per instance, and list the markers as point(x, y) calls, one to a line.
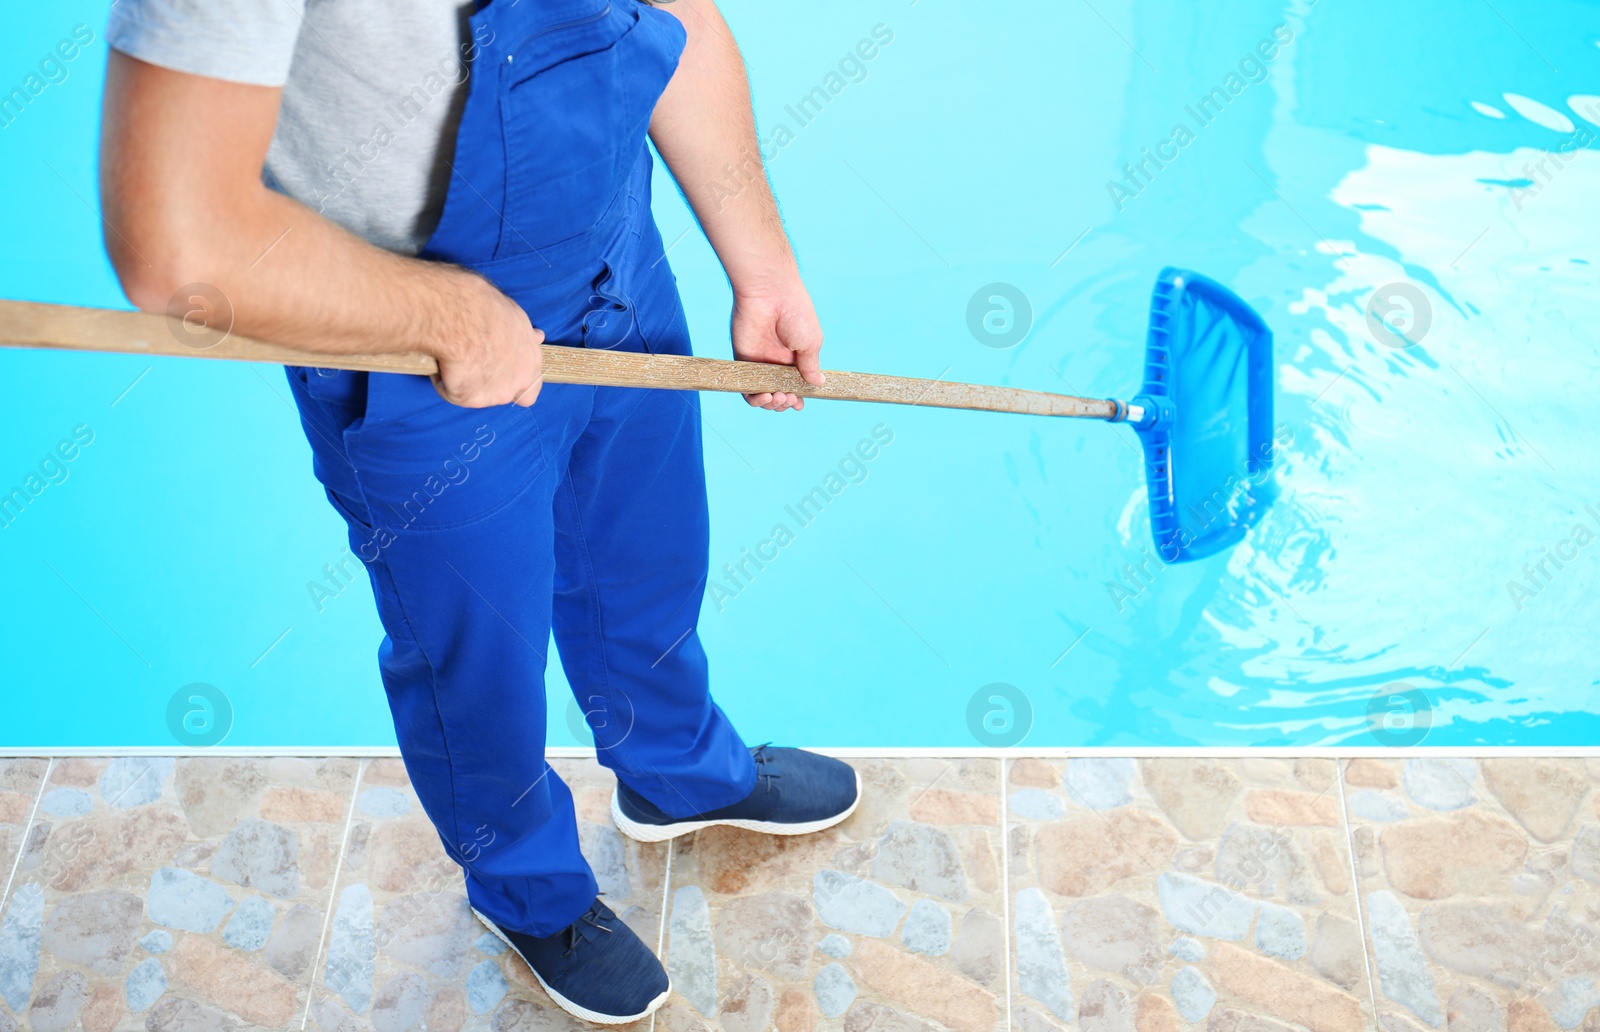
point(1407, 193)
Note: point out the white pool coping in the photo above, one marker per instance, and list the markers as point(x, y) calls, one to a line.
point(886, 752)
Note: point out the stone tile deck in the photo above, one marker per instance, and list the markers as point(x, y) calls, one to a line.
point(967, 894)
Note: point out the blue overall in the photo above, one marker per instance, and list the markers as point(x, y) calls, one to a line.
point(483, 530)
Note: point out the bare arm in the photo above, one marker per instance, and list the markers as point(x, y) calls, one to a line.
point(181, 191)
point(702, 125)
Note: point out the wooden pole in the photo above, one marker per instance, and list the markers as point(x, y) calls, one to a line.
point(27, 324)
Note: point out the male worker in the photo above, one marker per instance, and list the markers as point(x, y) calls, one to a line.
point(468, 181)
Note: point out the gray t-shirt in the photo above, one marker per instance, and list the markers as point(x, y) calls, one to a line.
point(372, 95)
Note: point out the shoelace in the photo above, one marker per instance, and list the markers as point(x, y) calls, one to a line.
point(759, 754)
point(576, 932)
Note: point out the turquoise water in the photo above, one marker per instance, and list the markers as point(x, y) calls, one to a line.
point(1373, 189)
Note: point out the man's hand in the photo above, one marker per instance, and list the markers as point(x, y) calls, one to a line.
point(496, 360)
point(778, 325)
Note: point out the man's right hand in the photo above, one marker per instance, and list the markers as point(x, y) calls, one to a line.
point(492, 358)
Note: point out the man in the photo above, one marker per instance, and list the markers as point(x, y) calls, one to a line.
point(357, 176)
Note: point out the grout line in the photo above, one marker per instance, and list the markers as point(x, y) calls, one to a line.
point(1005, 879)
point(1355, 890)
point(27, 833)
point(333, 894)
point(661, 929)
point(666, 891)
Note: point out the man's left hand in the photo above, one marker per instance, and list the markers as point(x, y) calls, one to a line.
point(778, 325)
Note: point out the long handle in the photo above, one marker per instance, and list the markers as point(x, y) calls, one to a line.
point(26, 324)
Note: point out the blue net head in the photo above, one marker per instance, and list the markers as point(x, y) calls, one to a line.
point(1207, 431)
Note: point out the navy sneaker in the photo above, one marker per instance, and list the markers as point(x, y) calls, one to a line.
point(796, 793)
point(595, 968)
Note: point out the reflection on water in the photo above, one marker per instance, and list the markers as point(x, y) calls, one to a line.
point(1436, 353)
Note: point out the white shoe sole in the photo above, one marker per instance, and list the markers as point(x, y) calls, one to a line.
point(661, 833)
point(576, 1010)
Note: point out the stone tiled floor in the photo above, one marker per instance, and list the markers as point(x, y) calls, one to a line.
point(967, 894)
point(1180, 891)
point(148, 887)
point(895, 913)
point(1480, 885)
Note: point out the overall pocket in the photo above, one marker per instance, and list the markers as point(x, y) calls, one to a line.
point(571, 122)
point(424, 464)
point(575, 109)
